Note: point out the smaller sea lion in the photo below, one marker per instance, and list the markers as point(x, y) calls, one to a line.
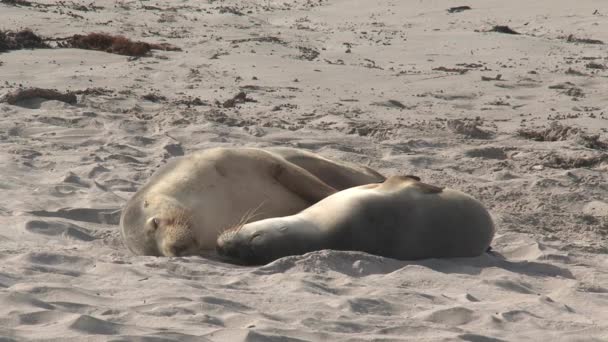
point(401, 218)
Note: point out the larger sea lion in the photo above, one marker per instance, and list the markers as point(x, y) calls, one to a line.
point(188, 202)
point(401, 218)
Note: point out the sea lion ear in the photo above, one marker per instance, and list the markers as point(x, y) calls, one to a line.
point(399, 181)
point(152, 225)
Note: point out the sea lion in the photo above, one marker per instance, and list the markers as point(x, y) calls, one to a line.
point(189, 201)
point(401, 218)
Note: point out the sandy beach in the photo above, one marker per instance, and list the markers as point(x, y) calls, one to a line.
point(504, 100)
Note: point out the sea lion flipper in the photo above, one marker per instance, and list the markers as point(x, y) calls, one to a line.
point(394, 181)
point(339, 175)
point(428, 188)
point(302, 183)
point(413, 177)
point(425, 188)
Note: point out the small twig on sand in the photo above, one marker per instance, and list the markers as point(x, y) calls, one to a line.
point(572, 39)
point(238, 98)
point(458, 9)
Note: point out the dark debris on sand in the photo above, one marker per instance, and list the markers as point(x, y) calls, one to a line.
point(458, 9)
point(503, 29)
point(567, 163)
point(24, 39)
point(238, 98)
point(17, 3)
point(152, 97)
point(191, 102)
point(105, 42)
point(31, 93)
point(230, 10)
point(113, 44)
point(94, 91)
point(597, 66)
point(469, 129)
point(61, 4)
point(572, 39)
point(555, 132)
point(458, 70)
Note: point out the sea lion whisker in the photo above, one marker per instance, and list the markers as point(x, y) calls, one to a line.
point(254, 213)
point(249, 216)
point(245, 218)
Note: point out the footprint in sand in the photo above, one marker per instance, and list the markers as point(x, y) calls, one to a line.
point(103, 216)
point(58, 228)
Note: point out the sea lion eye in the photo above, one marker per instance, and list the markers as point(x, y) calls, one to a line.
point(155, 222)
point(255, 236)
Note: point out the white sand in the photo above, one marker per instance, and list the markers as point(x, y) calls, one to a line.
point(67, 169)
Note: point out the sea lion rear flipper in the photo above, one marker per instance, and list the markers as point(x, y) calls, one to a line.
point(302, 183)
point(337, 174)
point(428, 188)
point(394, 181)
point(413, 177)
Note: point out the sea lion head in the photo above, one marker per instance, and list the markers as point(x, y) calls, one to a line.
point(236, 244)
point(266, 240)
point(157, 225)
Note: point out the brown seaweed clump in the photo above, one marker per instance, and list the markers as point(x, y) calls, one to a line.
point(19, 95)
point(24, 39)
point(114, 44)
point(108, 43)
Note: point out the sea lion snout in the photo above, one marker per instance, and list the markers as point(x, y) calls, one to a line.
point(233, 246)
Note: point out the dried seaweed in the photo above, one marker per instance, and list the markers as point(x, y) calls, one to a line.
point(572, 39)
point(238, 98)
point(269, 39)
point(458, 9)
point(560, 162)
point(108, 43)
point(503, 29)
point(113, 44)
point(19, 95)
point(24, 39)
point(17, 3)
point(559, 132)
point(308, 53)
point(230, 9)
point(154, 97)
point(555, 132)
point(469, 129)
point(458, 70)
point(598, 66)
